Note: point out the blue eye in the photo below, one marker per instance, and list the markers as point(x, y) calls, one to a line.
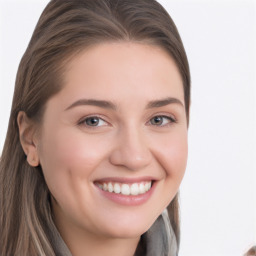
point(93, 121)
point(161, 120)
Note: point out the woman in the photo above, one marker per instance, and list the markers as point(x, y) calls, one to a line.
point(97, 140)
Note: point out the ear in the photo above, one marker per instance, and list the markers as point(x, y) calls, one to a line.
point(27, 132)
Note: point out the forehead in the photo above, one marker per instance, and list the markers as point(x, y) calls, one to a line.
point(122, 70)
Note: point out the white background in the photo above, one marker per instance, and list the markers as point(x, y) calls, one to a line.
point(218, 193)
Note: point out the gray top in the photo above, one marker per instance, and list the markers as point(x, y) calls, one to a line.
point(159, 240)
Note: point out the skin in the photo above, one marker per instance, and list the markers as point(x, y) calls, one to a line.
point(125, 143)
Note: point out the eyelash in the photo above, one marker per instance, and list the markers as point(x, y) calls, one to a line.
point(170, 119)
point(83, 121)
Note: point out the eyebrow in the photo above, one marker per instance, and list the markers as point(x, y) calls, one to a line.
point(110, 105)
point(93, 102)
point(164, 102)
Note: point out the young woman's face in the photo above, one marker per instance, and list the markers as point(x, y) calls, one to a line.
point(113, 143)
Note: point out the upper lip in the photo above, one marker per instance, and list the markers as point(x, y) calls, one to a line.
point(125, 179)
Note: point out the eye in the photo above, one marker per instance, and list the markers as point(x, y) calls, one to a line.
point(93, 121)
point(161, 120)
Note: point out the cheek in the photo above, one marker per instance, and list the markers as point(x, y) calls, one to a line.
point(172, 154)
point(69, 151)
point(68, 160)
point(178, 153)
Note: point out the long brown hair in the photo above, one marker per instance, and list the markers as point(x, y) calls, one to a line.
point(64, 29)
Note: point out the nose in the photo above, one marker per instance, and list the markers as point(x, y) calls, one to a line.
point(131, 150)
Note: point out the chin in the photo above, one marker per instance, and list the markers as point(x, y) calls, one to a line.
point(126, 232)
point(128, 227)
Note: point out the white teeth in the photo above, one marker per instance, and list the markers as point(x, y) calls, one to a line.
point(135, 189)
point(126, 189)
point(110, 187)
point(142, 188)
point(148, 186)
point(105, 186)
point(117, 188)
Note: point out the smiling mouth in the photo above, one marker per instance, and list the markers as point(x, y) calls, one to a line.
point(132, 189)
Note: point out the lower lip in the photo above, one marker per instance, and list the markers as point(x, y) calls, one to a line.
point(128, 200)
